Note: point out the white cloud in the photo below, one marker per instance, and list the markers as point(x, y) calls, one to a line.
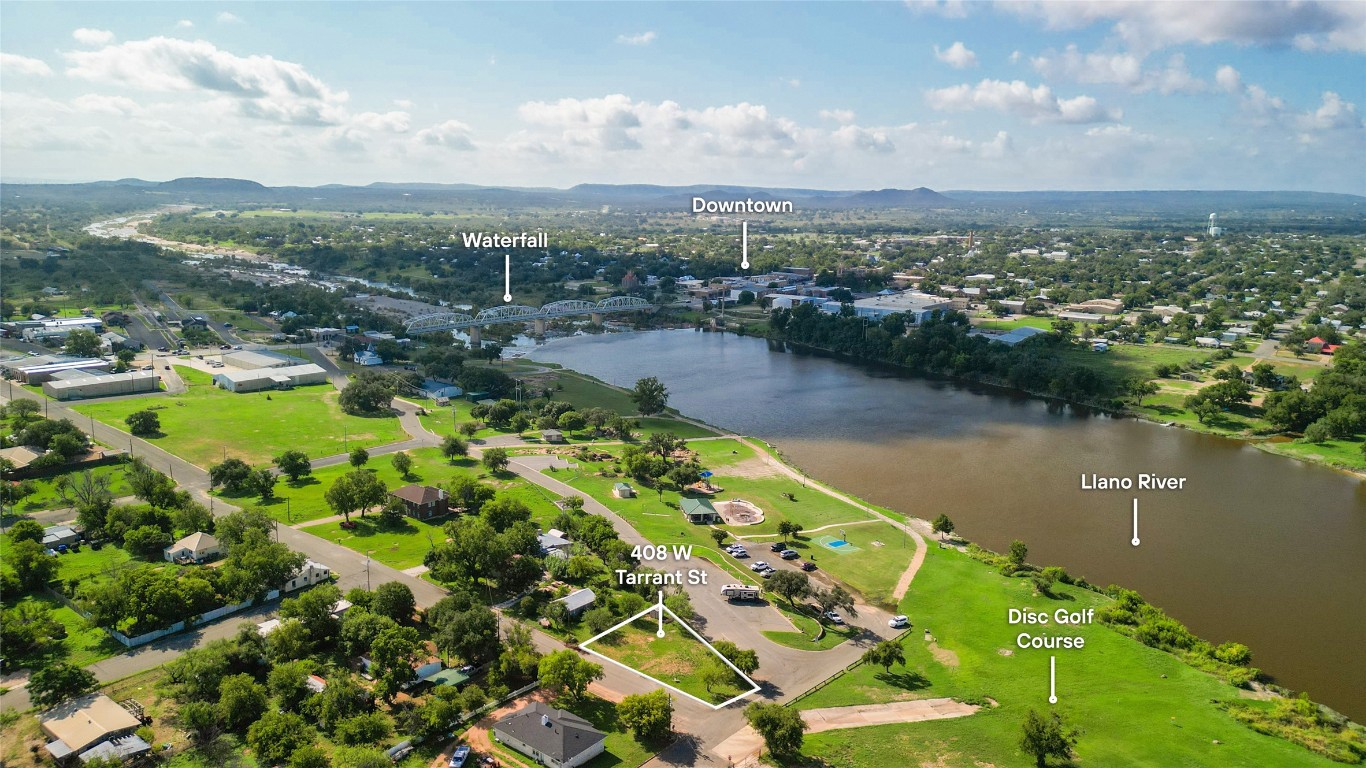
point(87, 36)
point(451, 134)
point(1332, 114)
point(838, 115)
point(392, 122)
point(949, 9)
point(1175, 78)
point(261, 86)
point(1036, 103)
point(793, 82)
point(1071, 64)
point(14, 64)
point(403, 103)
point(642, 38)
point(184, 24)
point(228, 18)
point(1147, 26)
point(106, 104)
point(1228, 78)
point(864, 139)
point(957, 56)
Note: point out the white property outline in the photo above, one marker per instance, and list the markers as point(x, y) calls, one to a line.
point(661, 609)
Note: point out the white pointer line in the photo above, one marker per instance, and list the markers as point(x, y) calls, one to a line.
point(1052, 679)
point(744, 245)
point(507, 277)
point(1135, 539)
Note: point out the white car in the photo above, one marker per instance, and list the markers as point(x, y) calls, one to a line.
point(834, 617)
point(738, 554)
point(897, 622)
point(759, 566)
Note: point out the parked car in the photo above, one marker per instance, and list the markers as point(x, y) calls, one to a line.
point(767, 573)
point(239, 346)
point(834, 617)
point(789, 554)
point(225, 346)
point(808, 566)
point(161, 349)
point(777, 546)
point(149, 367)
point(759, 566)
point(458, 759)
point(739, 554)
point(898, 622)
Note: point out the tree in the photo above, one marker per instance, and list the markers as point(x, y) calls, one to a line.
point(468, 428)
point(395, 600)
point(367, 394)
point(241, 701)
point(470, 635)
point(314, 610)
point(1202, 406)
point(782, 728)
point(32, 564)
point(12, 493)
point(278, 735)
point(469, 494)
point(943, 526)
point(288, 683)
point(26, 530)
point(150, 485)
point(402, 463)
point(235, 528)
point(1142, 388)
point(719, 536)
point(745, 660)
point(191, 517)
point(835, 597)
point(200, 718)
point(293, 464)
point(650, 396)
point(144, 422)
point(355, 491)
point(790, 584)
point(82, 343)
point(147, 542)
point(885, 654)
point(495, 459)
point(232, 474)
point(571, 421)
point(504, 511)
point(650, 715)
point(565, 672)
point(358, 457)
point(392, 656)
point(453, 447)
point(368, 728)
point(22, 411)
point(309, 756)
point(1064, 329)
point(52, 684)
point(262, 483)
point(1045, 737)
point(1018, 553)
point(789, 529)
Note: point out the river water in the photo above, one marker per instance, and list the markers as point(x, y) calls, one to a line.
point(1255, 548)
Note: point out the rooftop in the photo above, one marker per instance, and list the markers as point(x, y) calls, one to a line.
point(85, 720)
point(554, 733)
point(419, 494)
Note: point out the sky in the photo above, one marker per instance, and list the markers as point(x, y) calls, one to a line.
point(948, 95)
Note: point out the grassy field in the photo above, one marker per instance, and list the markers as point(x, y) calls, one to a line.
point(1016, 321)
point(622, 748)
point(1124, 361)
point(206, 423)
point(1137, 706)
point(84, 644)
point(47, 496)
point(1344, 454)
point(1169, 405)
point(677, 659)
point(872, 570)
point(807, 629)
point(401, 546)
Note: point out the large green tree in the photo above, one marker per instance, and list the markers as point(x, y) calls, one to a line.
point(650, 715)
point(293, 464)
point(566, 672)
point(51, 684)
point(650, 396)
point(1043, 737)
point(355, 491)
point(782, 728)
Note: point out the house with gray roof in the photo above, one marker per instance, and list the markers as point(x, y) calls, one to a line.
point(551, 736)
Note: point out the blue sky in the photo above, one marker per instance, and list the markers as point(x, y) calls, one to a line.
point(1017, 95)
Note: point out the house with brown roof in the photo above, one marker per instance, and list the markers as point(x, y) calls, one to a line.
point(423, 502)
point(89, 723)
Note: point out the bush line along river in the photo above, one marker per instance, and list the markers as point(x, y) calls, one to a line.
point(1254, 547)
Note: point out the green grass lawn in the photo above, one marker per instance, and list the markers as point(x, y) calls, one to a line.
point(676, 659)
point(48, 497)
point(1124, 361)
point(206, 423)
point(1137, 706)
point(1170, 406)
point(401, 546)
point(807, 629)
point(623, 750)
point(84, 644)
point(1344, 454)
point(1019, 321)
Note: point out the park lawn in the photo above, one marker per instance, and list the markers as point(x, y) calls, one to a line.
point(1017, 321)
point(676, 659)
point(1168, 406)
point(82, 565)
point(1344, 454)
point(304, 501)
point(47, 496)
point(1127, 361)
point(399, 546)
point(84, 643)
point(206, 423)
point(807, 629)
point(1137, 706)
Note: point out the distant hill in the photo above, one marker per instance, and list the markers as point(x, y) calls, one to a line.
point(920, 197)
point(198, 184)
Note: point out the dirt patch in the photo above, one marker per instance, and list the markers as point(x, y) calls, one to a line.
point(1005, 651)
point(944, 656)
point(739, 512)
point(752, 468)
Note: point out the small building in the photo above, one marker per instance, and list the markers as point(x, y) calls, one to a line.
point(550, 736)
point(578, 602)
point(552, 541)
point(1081, 317)
point(699, 511)
point(315, 683)
point(1100, 346)
point(78, 725)
point(259, 379)
point(552, 436)
point(312, 573)
point(367, 357)
point(198, 547)
point(250, 360)
point(57, 535)
point(20, 456)
point(36, 370)
point(423, 502)
point(78, 384)
point(265, 628)
point(438, 390)
point(623, 491)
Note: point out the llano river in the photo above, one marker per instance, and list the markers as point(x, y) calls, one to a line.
point(1255, 548)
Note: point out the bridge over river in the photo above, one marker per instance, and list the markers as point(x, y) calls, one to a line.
point(516, 313)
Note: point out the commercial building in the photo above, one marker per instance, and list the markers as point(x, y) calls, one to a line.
point(258, 379)
point(550, 736)
point(61, 327)
point(36, 369)
point(916, 306)
point(79, 384)
point(249, 360)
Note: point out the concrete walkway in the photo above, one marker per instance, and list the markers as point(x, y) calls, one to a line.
point(920, 710)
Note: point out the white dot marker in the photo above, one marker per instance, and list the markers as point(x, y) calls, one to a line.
point(1134, 541)
point(744, 245)
point(507, 278)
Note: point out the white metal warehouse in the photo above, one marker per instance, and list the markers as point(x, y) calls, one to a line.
point(270, 378)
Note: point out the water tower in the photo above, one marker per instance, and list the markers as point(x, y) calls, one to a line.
point(1214, 229)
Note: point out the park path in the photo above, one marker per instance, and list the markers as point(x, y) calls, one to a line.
point(920, 710)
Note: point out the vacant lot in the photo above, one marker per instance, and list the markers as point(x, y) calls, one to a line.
point(677, 659)
point(206, 423)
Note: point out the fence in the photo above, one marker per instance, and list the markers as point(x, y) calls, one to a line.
point(179, 626)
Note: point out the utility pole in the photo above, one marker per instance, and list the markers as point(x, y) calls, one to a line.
point(367, 569)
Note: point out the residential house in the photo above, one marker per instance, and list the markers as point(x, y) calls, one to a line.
point(57, 535)
point(198, 547)
point(79, 726)
point(312, 573)
point(550, 736)
point(423, 502)
point(578, 602)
